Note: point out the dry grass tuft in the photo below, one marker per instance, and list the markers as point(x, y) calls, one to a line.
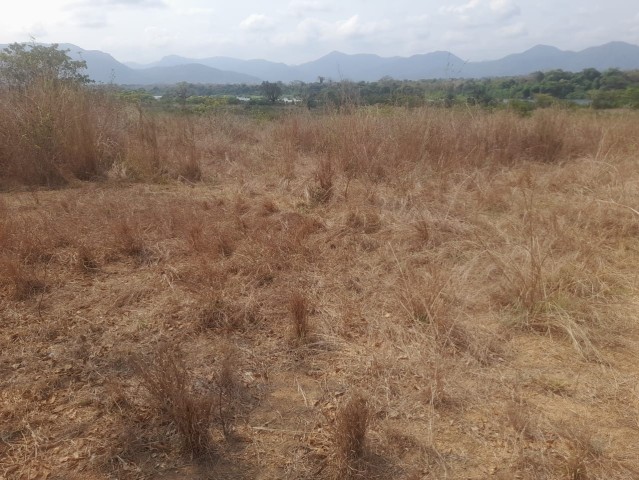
point(299, 308)
point(169, 383)
point(224, 244)
point(191, 170)
point(368, 222)
point(228, 389)
point(576, 467)
point(424, 296)
point(23, 281)
point(322, 190)
point(521, 419)
point(86, 259)
point(435, 392)
point(351, 426)
point(224, 316)
point(127, 238)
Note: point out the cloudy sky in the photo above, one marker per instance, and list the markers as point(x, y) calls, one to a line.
point(294, 31)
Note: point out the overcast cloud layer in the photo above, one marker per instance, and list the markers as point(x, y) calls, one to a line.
point(295, 31)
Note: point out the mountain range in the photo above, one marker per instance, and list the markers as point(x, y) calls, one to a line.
point(102, 67)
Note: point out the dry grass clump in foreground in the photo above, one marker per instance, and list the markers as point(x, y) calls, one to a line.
point(460, 288)
point(52, 134)
point(167, 381)
point(299, 313)
point(351, 425)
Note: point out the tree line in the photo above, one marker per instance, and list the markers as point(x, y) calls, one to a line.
point(611, 88)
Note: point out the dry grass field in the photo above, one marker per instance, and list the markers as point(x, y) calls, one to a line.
point(372, 294)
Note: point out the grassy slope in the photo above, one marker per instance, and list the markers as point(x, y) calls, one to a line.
point(470, 276)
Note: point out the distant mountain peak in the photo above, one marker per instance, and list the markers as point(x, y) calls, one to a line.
point(337, 65)
point(543, 48)
point(618, 43)
point(172, 57)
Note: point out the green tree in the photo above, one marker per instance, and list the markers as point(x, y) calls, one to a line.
point(606, 99)
point(23, 64)
point(614, 79)
point(538, 76)
point(182, 93)
point(272, 91)
point(543, 100)
point(590, 74)
point(631, 97)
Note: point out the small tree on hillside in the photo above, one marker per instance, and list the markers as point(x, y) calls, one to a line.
point(23, 64)
point(272, 91)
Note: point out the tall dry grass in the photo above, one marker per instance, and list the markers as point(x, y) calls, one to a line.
point(168, 383)
point(375, 143)
point(52, 134)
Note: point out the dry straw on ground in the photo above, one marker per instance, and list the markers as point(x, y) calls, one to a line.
point(460, 286)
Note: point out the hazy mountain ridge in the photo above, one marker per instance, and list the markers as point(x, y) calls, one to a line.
point(543, 57)
point(102, 67)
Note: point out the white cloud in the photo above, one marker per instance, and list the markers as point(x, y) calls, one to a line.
point(476, 12)
point(93, 23)
point(515, 30)
point(136, 3)
point(303, 7)
point(315, 30)
point(87, 18)
point(305, 31)
point(353, 27)
point(505, 8)
point(195, 11)
point(95, 14)
point(461, 9)
point(482, 19)
point(118, 3)
point(456, 37)
point(418, 19)
point(301, 30)
point(257, 22)
point(157, 37)
point(36, 30)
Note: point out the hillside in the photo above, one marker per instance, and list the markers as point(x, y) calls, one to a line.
point(366, 67)
point(102, 67)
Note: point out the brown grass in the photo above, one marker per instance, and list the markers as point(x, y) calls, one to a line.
point(54, 134)
point(351, 426)
point(322, 190)
point(24, 282)
point(471, 274)
point(170, 386)
point(298, 306)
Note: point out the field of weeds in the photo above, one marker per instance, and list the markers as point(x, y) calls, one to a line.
point(374, 294)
